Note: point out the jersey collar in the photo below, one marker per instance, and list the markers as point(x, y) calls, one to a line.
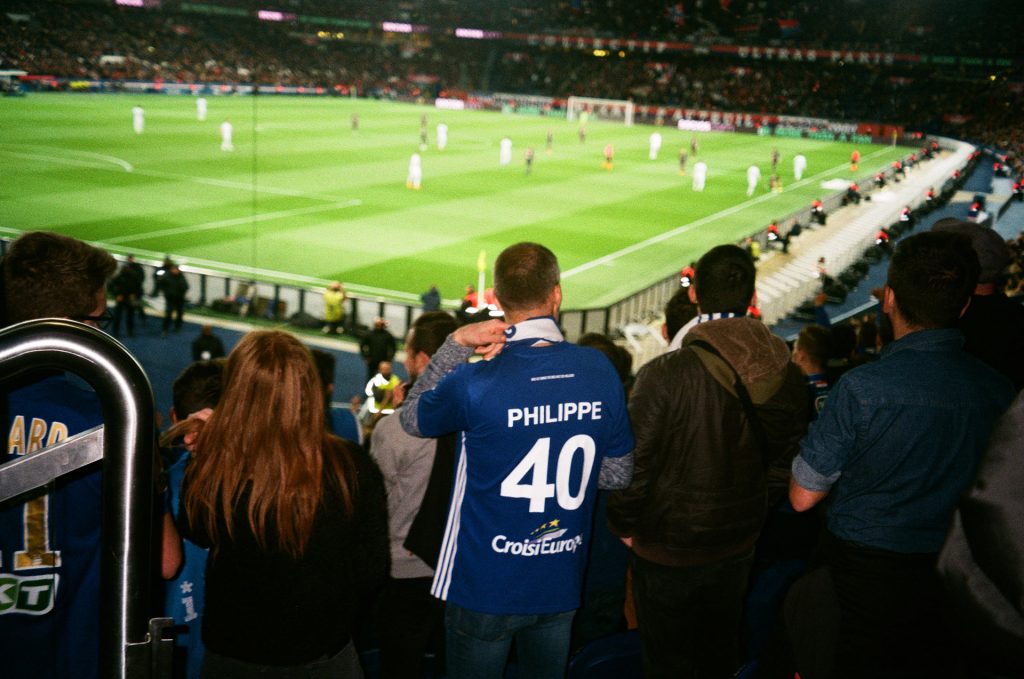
point(542, 329)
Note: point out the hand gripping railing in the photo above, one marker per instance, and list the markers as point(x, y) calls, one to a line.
point(130, 644)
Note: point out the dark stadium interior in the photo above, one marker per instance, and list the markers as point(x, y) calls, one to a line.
point(926, 69)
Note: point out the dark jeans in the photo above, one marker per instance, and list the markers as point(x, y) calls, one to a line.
point(124, 310)
point(689, 617)
point(343, 665)
point(410, 622)
point(175, 309)
point(891, 614)
point(479, 643)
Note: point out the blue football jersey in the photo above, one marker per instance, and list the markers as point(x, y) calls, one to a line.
point(536, 422)
point(50, 543)
point(184, 594)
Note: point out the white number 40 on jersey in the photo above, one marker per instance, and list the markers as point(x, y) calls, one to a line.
point(535, 465)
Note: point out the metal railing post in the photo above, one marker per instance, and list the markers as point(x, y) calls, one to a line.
point(128, 456)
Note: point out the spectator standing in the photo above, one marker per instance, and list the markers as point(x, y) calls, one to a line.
point(978, 560)
point(52, 537)
point(993, 325)
point(905, 431)
point(136, 290)
point(810, 353)
point(334, 307)
point(431, 299)
point(340, 418)
point(207, 346)
point(159, 273)
point(378, 345)
point(120, 288)
point(197, 388)
point(174, 287)
point(519, 525)
point(295, 518)
point(409, 620)
point(679, 311)
point(709, 421)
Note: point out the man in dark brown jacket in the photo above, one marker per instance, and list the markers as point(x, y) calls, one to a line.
point(712, 421)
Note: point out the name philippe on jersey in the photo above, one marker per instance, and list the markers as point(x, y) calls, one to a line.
point(553, 413)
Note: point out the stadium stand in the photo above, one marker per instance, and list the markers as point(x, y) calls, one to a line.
point(974, 93)
point(207, 43)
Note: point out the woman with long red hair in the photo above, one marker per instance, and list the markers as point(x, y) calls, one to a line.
point(295, 520)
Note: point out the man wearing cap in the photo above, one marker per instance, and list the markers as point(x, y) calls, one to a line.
point(993, 324)
point(894, 447)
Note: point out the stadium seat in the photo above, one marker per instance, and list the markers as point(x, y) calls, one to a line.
point(613, 657)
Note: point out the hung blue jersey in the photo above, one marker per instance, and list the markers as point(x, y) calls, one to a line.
point(185, 593)
point(536, 423)
point(50, 543)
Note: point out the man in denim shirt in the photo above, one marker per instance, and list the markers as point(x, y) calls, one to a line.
point(896, 444)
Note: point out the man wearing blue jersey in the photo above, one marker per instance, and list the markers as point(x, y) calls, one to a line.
point(542, 425)
point(50, 541)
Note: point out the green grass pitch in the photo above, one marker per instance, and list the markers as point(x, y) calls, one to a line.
point(304, 199)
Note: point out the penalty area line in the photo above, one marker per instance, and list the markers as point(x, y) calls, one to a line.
point(101, 162)
point(612, 256)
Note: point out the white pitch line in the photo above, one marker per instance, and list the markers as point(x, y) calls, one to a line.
point(228, 184)
point(94, 164)
point(262, 217)
point(128, 167)
point(611, 257)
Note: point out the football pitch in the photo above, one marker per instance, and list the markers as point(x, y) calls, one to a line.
point(304, 199)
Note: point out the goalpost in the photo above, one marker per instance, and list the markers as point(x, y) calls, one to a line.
point(617, 110)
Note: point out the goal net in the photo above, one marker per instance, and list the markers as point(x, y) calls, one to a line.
point(616, 110)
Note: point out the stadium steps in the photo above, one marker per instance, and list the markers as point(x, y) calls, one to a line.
point(787, 280)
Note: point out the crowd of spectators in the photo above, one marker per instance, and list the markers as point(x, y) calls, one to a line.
point(88, 41)
point(715, 543)
point(938, 26)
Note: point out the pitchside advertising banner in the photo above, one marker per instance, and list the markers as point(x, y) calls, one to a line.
point(695, 120)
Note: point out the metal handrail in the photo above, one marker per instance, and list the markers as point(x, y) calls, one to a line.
point(128, 457)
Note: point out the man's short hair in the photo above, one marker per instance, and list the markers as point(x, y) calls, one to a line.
point(325, 364)
point(678, 312)
point(815, 342)
point(46, 275)
point(429, 332)
point(524, 276)
point(197, 387)
point(993, 252)
point(724, 280)
point(932, 275)
point(620, 357)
